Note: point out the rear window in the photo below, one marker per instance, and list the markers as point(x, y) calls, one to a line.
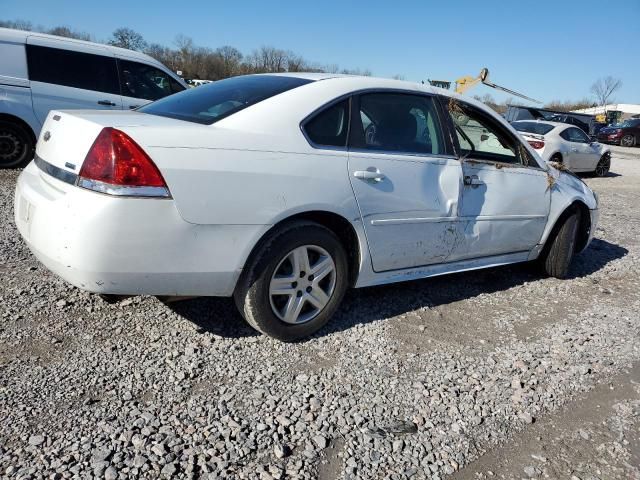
point(212, 102)
point(533, 127)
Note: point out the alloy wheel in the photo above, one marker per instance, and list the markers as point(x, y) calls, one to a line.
point(627, 141)
point(603, 166)
point(302, 284)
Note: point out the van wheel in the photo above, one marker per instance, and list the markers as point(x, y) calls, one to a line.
point(294, 282)
point(557, 258)
point(16, 145)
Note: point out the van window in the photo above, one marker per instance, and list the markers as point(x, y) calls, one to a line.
point(144, 81)
point(73, 69)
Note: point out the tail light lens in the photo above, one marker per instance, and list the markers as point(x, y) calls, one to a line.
point(117, 165)
point(537, 144)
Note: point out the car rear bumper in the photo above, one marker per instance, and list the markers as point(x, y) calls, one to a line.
point(127, 246)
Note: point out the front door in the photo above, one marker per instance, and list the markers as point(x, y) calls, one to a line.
point(505, 198)
point(405, 179)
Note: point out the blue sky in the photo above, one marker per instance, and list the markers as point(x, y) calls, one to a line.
point(545, 49)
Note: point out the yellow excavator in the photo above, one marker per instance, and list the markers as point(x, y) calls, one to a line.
point(465, 83)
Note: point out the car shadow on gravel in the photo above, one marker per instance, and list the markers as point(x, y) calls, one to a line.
point(366, 305)
point(215, 315)
point(360, 306)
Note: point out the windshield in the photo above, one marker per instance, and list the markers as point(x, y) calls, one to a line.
point(533, 127)
point(216, 100)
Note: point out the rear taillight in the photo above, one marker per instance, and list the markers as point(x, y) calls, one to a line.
point(537, 144)
point(117, 165)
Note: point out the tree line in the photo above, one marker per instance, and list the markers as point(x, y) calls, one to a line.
point(197, 62)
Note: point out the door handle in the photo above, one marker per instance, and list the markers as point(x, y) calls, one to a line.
point(108, 103)
point(375, 175)
point(574, 149)
point(473, 181)
point(131, 107)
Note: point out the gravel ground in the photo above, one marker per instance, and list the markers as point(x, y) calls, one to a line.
point(491, 374)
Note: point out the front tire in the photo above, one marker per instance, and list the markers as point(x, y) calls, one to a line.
point(16, 145)
point(603, 166)
point(295, 281)
point(557, 258)
point(628, 141)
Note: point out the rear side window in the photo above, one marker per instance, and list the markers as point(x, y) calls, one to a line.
point(73, 69)
point(399, 123)
point(144, 81)
point(214, 101)
point(329, 127)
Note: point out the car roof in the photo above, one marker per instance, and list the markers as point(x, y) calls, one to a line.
point(20, 36)
point(540, 120)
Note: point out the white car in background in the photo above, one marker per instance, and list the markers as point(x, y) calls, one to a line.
point(567, 145)
point(284, 190)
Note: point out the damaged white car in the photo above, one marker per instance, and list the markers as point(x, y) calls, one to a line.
point(285, 190)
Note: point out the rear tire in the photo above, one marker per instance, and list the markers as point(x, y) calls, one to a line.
point(17, 146)
point(556, 157)
point(257, 296)
point(557, 257)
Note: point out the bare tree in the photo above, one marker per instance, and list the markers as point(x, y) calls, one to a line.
point(67, 32)
point(127, 38)
point(17, 24)
point(603, 88)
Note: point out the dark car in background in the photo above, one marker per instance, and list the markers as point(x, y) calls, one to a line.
point(626, 134)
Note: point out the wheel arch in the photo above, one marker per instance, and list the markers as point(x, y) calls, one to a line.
point(584, 226)
point(338, 224)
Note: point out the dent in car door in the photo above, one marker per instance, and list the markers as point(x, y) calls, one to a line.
point(62, 77)
point(503, 208)
point(408, 200)
point(505, 199)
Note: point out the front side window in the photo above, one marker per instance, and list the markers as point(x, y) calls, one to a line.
point(330, 126)
point(575, 135)
point(139, 80)
point(73, 69)
point(397, 122)
point(482, 137)
point(214, 101)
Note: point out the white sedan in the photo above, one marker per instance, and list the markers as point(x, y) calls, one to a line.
point(284, 190)
point(567, 145)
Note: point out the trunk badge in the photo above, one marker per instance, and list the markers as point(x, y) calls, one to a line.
point(70, 165)
point(47, 136)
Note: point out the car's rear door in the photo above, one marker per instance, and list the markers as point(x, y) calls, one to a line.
point(505, 198)
point(405, 178)
point(584, 155)
point(142, 83)
point(71, 75)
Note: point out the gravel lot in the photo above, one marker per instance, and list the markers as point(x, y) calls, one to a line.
point(491, 374)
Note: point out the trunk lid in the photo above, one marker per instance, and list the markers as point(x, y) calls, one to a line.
point(67, 135)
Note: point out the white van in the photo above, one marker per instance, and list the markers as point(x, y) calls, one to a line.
point(41, 72)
